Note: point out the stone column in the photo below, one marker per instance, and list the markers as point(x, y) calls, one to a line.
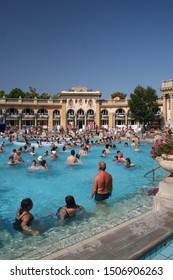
point(126, 119)
point(75, 121)
point(63, 116)
point(20, 120)
point(171, 115)
point(165, 108)
point(164, 197)
point(97, 114)
point(20, 123)
point(113, 120)
point(35, 120)
point(110, 120)
point(50, 119)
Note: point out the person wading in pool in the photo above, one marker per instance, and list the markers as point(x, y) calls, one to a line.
point(69, 210)
point(102, 188)
point(24, 217)
point(71, 159)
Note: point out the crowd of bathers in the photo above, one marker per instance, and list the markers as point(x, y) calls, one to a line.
point(108, 141)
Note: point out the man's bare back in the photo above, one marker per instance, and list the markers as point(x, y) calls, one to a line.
point(102, 188)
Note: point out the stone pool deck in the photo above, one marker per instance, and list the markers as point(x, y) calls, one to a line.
point(129, 241)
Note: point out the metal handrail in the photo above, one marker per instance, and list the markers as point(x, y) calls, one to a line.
point(152, 170)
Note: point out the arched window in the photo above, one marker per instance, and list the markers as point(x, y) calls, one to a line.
point(120, 113)
point(70, 114)
point(90, 114)
point(28, 111)
point(104, 112)
point(12, 111)
point(56, 114)
point(43, 112)
point(80, 113)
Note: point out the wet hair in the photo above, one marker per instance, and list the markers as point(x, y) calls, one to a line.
point(25, 204)
point(70, 201)
point(128, 160)
point(43, 162)
point(72, 152)
point(116, 157)
point(78, 156)
point(11, 157)
point(34, 161)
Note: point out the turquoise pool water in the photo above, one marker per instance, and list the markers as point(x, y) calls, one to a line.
point(48, 188)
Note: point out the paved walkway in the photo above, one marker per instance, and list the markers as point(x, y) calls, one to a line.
point(128, 241)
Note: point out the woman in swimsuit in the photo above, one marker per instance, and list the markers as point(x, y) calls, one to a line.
point(128, 163)
point(69, 210)
point(24, 217)
point(34, 165)
point(43, 164)
point(11, 161)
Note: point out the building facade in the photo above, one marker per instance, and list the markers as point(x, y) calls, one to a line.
point(167, 94)
point(78, 108)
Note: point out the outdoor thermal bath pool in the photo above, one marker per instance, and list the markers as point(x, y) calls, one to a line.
point(48, 188)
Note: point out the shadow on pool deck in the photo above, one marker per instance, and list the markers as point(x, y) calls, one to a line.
point(128, 241)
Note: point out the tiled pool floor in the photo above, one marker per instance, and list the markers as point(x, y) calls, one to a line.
point(162, 252)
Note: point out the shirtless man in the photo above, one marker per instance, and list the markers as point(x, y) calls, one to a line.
point(71, 159)
point(102, 188)
point(18, 158)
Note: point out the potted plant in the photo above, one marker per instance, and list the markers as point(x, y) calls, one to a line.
point(162, 151)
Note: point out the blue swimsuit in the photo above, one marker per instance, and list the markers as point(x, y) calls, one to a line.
point(58, 213)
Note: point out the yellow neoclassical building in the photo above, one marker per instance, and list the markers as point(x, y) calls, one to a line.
point(167, 105)
point(79, 107)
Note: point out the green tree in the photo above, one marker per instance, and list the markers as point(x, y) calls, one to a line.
point(2, 93)
point(119, 94)
point(143, 104)
point(16, 93)
point(56, 96)
point(44, 95)
point(32, 93)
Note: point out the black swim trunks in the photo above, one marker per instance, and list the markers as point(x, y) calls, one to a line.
point(101, 196)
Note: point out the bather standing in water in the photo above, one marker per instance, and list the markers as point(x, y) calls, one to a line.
point(71, 159)
point(102, 188)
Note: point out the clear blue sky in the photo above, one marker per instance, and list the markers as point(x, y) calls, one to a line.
point(106, 45)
